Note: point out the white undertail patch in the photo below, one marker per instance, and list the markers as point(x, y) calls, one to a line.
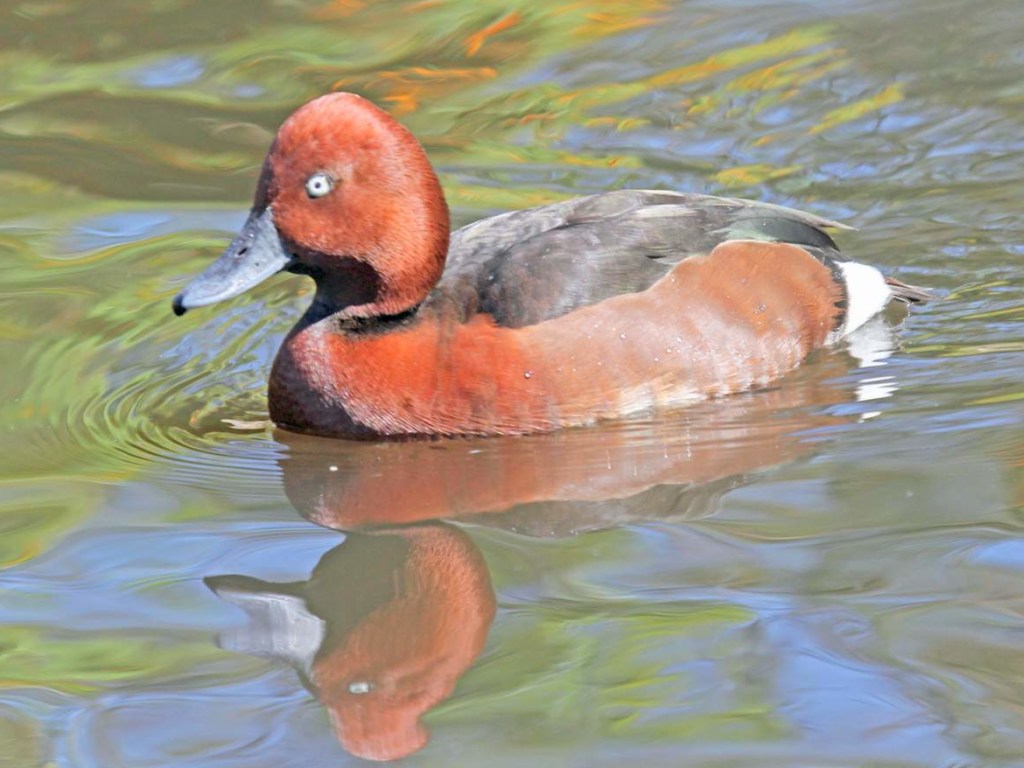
point(866, 294)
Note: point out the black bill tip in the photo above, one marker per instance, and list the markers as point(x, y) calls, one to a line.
point(178, 305)
point(255, 254)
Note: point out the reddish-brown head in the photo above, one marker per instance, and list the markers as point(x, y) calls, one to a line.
point(347, 196)
point(346, 181)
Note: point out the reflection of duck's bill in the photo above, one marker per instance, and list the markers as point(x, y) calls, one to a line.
point(280, 624)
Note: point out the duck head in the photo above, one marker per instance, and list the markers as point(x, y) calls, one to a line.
point(348, 197)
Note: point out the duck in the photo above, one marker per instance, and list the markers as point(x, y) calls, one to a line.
point(608, 306)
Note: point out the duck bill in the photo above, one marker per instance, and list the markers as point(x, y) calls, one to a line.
point(254, 255)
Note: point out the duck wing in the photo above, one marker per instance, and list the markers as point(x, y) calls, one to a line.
point(525, 267)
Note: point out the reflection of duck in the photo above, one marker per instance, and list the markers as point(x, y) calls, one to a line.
point(382, 630)
point(391, 618)
point(570, 481)
point(557, 316)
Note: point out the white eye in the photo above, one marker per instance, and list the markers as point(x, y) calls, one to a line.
point(319, 184)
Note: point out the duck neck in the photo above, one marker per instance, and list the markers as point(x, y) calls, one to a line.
point(390, 279)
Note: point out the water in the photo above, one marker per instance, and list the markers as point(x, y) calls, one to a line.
point(826, 573)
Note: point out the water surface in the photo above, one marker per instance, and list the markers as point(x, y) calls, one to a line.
point(826, 573)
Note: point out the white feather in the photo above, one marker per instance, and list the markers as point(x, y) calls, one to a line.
point(866, 294)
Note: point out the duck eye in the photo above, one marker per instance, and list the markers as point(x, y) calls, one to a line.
point(319, 184)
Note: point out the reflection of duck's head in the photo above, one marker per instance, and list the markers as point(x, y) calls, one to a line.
point(381, 631)
point(408, 654)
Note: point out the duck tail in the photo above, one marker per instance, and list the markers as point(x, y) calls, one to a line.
point(908, 294)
